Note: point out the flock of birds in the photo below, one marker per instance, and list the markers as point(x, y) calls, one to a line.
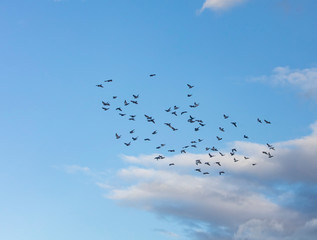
point(212, 152)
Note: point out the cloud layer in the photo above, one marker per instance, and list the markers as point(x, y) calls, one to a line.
point(276, 199)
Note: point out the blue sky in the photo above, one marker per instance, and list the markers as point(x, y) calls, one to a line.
point(63, 174)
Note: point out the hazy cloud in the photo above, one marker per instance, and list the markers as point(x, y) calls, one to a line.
point(217, 5)
point(303, 79)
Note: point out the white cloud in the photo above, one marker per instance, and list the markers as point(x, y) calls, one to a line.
point(217, 5)
point(77, 169)
point(246, 203)
point(303, 79)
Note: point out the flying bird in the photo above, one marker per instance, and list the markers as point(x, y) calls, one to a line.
point(134, 138)
point(221, 129)
point(99, 85)
point(127, 144)
point(117, 136)
point(267, 122)
point(152, 75)
point(109, 80)
point(259, 120)
point(189, 86)
point(132, 131)
point(105, 108)
point(135, 96)
point(234, 124)
point(105, 103)
point(218, 163)
point(219, 138)
point(221, 172)
point(225, 116)
point(171, 164)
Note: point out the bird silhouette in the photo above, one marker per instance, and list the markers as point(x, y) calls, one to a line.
point(267, 122)
point(152, 75)
point(127, 144)
point(109, 80)
point(221, 172)
point(234, 124)
point(106, 109)
point(99, 85)
point(117, 136)
point(189, 86)
point(225, 116)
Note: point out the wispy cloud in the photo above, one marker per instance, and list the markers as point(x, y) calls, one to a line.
point(276, 199)
point(303, 79)
point(218, 5)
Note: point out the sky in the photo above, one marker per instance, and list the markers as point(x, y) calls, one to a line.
point(63, 173)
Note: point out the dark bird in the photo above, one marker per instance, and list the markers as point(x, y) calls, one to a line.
point(265, 152)
point(105, 103)
point(194, 146)
point(207, 148)
point(99, 85)
point(147, 116)
point(158, 147)
point(235, 160)
point(270, 156)
point(267, 122)
point(133, 116)
point(221, 129)
point(186, 146)
point(193, 142)
point(174, 113)
point(200, 140)
point(221, 154)
point(207, 163)
point(189, 95)
point(152, 75)
point(201, 124)
point(206, 173)
point(234, 124)
point(198, 162)
point(259, 120)
point(126, 103)
point(122, 114)
point(225, 116)
point(219, 138)
point(218, 163)
point(171, 164)
point(114, 97)
point(183, 151)
point(134, 138)
point(232, 153)
point(118, 136)
point(119, 109)
point(210, 155)
point(245, 136)
point(109, 80)
point(151, 120)
point(175, 107)
point(155, 132)
point(189, 86)
point(127, 144)
point(132, 119)
point(135, 102)
point(171, 150)
point(183, 112)
point(221, 172)
point(198, 170)
point(105, 108)
point(214, 149)
point(246, 158)
point(253, 164)
point(135, 96)
point(197, 129)
point(233, 150)
point(132, 131)
point(147, 139)
point(168, 110)
point(162, 144)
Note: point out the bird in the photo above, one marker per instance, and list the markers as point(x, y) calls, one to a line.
point(114, 97)
point(200, 140)
point(152, 75)
point(197, 129)
point(235, 160)
point(118, 136)
point(189, 95)
point(175, 107)
point(267, 122)
point(206, 173)
point(99, 85)
point(155, 132)
point(221, 129)
point(221, 154)
point(171, 150)
point(122, 114)
point(234, 124)
point(194, 146)
point(174, 113)
point(233, 150)
point(119, 109)
point(207, 163)
point(198, 170)
point(134, 138)
point(198, 161)
point(135, 96)
point(158, 147)
point(210, 155)
point(106, 109)
point(214, 149)
point(225, 116)
point(183, 151)
point(246, 158)
point(132, 131)
point(135, 102)
point(133, 116)
point(132, 119)
point(264, 152)
point(147, 139)
point(109, 80)
point(105, 103)
point(245, 136)
point(253, 164)
point(259, 120)
point(183, 112)
point(219, 138)
point(218, 163)
point(127, 144)
point(190, 86)
point(168, 110)
point(126, 103)
point(171, 164)
point(221, 172)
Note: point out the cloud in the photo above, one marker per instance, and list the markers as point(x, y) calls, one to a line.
point(303, 79)
point(218, 5)
point(276, 199)
point(77, 169)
